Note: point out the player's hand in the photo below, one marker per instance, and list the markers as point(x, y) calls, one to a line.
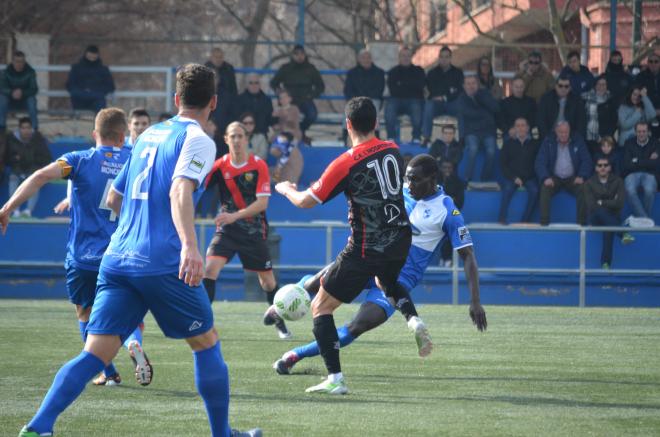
point(578, 181)
point(191, 267)
point(284, 187)
point(549, 182)
point(478, 316)
point(17, 94)
point(62, 207)
point(654, 155)
point(225, 218)
point(4, 220)
point(643, 92)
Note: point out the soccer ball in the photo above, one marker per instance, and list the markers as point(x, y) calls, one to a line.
point(291, 302)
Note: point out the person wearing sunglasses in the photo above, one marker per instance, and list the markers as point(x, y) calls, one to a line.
point(254, 101)
point(538, 79)
point(560, 104)
point(650, 79)
point(604, 195)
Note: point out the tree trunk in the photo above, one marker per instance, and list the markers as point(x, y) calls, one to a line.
point(254, 30)
point(557, 30)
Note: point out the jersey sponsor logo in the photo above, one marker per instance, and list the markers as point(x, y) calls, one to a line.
point(455, 212)
point(111, 168)
point(463, 233)
point(392, 212)
point(196, 164)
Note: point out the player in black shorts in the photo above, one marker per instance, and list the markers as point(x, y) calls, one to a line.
point(371, 177)
point(242, 227)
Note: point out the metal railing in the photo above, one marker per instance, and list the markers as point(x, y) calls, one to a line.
point(207, 225)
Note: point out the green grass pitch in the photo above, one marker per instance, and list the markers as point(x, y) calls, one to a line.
point(537, 371)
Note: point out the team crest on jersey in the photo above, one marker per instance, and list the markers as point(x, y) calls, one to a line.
point(108, 154)
point(196, 164)
point(427, 213)
point(463, 233)
point(455, 212)
point(249, 177)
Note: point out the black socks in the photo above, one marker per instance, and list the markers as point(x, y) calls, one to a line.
point(209, 285)
point(270, 295)
point(325, 333)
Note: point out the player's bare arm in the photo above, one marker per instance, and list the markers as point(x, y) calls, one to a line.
point(114, 200)
point(477, 313)
point(54, 170)
point(256, 207)
point(301, 199)
point(191, 267)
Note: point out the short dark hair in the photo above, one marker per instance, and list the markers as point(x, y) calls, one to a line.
point(445, 49)
point(563, 76)
point(601, 157)
point(195, 85)
point(92, 49)
point(573, 54)
point(362, 114)
point(245, 115)
point(139, 112)
point(428, 164)
point(24, 120)
point(641, 123)
point(535, 54)
point(615, 53)
point(19, 54)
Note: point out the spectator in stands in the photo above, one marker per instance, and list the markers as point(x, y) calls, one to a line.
point(18, 90)
point(257, 103)
point(446, 148)
point(580, 77)
point(618, 79)
point(635, 107)
point(3, 155)
point(563, 162)
point(517, 161)
point(444, 83)
point(487, 78)
point(601, 113)
point(538, 79)
point(454, 187)
point(560, 104)
point(289, 159)
point(406, 83)
point(476, 109)
point(138, 121)
point(607, 149)
point(287, 116)
point(304, 83)
point(649, 78)
point(164, 116)
point(258, 142)
point(365, 79)
point(89, 82)
point(226, 88)
point(27, 151)
point(604, 196)
point(640, 163)
point(515, 106)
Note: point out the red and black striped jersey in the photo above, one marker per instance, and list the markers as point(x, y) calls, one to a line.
point(239, 187)
point(371, 177)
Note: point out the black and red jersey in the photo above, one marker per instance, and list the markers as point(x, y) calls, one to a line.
point(371, 177)
point(239, 187)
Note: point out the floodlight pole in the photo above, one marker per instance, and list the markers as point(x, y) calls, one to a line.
point(613, 10)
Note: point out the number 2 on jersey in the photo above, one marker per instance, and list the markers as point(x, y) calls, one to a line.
point(384, 176)
point(137, 192)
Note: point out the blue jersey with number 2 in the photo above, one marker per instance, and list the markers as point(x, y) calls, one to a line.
point(146, 241)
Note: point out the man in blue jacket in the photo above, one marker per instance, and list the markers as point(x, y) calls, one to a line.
point(89, 82)
point(563, 162)
point(581, 78)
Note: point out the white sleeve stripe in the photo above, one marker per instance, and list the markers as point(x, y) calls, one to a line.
point(314, 196)
point(465, 245)
point(263, 194)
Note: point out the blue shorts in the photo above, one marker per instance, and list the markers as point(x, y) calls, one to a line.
point(376, 295)
point(122, 301)
point(81, 286)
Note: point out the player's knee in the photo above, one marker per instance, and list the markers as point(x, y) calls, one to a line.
point(104, 347)
point(267, 281)
point(203, 341)
point(83, 313)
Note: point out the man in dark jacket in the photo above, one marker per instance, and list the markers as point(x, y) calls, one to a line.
point(18, 90)
point(580, 77)
point(558, 105)
point(27, 151)
point(563, 162)
point(365, 79)
point(226, 88)
point(476, 109)
point(517, 161)
point(618, 79)
point(446, 148)
point(444, 83)
point(640, 163)
point(515, 106)
point(89, 82)
point(303, 82)
point(650, 79)
point(406, 84)
point(256, 102)
point(604, 196)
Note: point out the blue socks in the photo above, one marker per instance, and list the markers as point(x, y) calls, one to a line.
point(212, 381)
point(68, 384)
point(312, 349)
point(135, 335)
point(304, 279)
point(108, 371)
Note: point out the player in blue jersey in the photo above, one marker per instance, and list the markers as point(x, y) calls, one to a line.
point(434, 218)
point(90, 173)
point(153, 262)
